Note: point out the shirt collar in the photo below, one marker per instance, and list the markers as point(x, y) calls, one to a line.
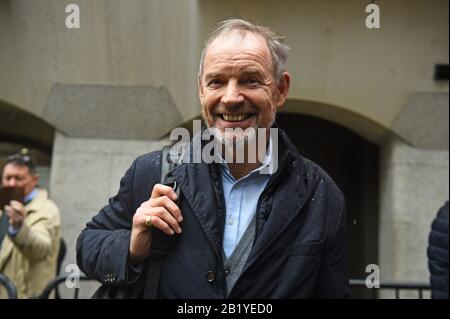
point(31, 195)
point(266, 162)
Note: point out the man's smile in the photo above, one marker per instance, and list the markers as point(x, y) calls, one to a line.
point(227, 120)
point(235, 117)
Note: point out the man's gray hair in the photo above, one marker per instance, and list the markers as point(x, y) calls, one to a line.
point(278, 50)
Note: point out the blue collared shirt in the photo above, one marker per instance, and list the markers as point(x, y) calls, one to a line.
point(12, 231)
point(241, 199)
point(31, 196)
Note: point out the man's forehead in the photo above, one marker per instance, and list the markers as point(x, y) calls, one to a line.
point(12, 168)
point(249, 69)
point(236, 42)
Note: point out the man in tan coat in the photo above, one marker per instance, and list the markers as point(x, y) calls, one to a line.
point(30, 235)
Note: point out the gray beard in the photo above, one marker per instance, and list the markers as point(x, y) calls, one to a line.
point(229, 139)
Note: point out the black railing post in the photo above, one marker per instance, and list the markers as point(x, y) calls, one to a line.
point(396, 286)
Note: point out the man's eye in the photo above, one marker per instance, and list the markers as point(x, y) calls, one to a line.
point(252, 81)
point(214, 83)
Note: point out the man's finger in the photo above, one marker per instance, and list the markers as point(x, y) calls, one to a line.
point(162, 225)
point(161, 212)
point(17, 206)
point(166, 202)
point(161, 190)
point(167, 217)
point(9, 211)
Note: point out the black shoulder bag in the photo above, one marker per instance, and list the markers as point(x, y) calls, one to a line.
point(162, 244)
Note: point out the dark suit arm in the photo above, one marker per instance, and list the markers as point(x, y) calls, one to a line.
point(103, 246)
point(333, 280)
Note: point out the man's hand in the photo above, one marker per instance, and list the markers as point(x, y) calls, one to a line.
point(16, 213)
point(164, 214)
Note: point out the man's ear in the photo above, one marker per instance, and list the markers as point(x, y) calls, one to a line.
point(35, 179)
point(283, 89)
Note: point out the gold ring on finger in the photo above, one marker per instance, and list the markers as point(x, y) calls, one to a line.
point(148, 221)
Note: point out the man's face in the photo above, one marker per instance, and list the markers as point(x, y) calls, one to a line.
point(237, 88)
point(19, 176)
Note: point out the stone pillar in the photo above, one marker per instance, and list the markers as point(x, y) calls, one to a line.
point(414, 184)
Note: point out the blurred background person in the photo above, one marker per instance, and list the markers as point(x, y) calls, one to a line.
point(29, 230)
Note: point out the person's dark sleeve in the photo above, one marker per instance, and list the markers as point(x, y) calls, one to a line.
point(438, 255)
point(333, 280)
point(103, 246)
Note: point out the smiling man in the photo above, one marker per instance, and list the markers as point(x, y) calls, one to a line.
point(243, 229)
point(240, 87)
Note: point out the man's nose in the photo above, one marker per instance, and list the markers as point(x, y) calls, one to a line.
point(12, 182)
point(232, 95)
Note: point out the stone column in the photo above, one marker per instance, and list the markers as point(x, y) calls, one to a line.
point(414, 184)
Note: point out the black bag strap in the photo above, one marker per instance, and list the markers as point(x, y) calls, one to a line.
point(162, 244)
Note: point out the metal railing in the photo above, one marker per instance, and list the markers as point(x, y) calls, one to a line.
point(55, 282)
point(354, 283)
point(396, 286)
point(9, 286)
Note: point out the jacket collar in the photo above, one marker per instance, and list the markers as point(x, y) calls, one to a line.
point(198, 184)
point(283, 199)
point(37, 202)
point(201, 186)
